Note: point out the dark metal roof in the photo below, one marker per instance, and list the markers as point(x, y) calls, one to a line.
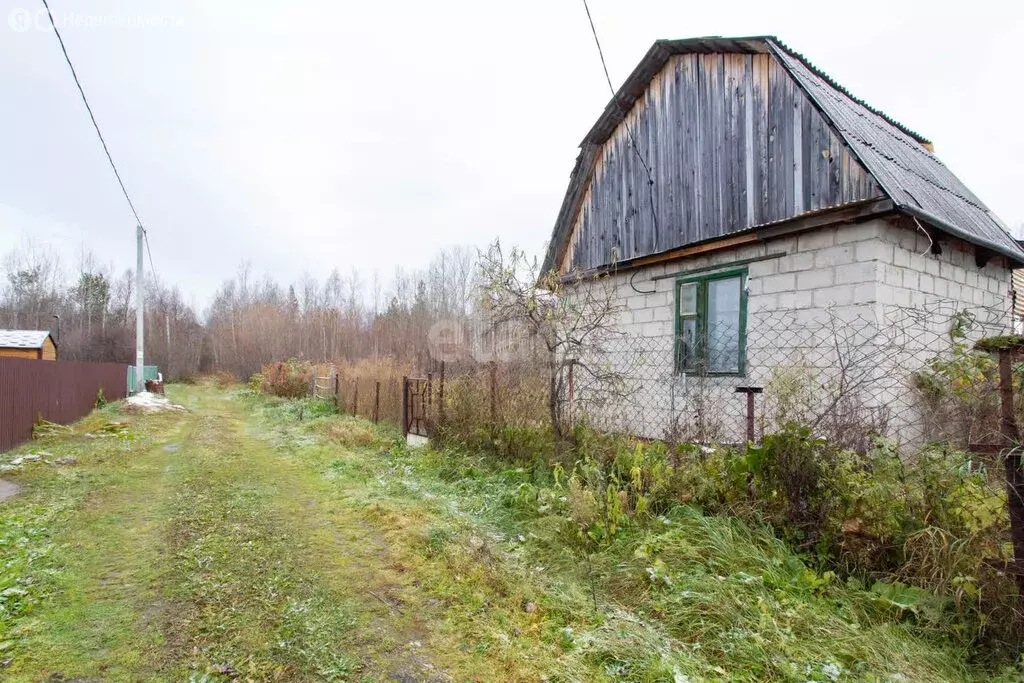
point(913, 177)
point(918, 183)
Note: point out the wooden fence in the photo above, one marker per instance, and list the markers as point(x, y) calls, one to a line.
point(487, 396)
point(377, 397)
point(58, 391)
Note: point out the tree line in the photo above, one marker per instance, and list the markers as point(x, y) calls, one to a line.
point(90, 308)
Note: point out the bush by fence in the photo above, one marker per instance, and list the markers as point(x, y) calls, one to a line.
point(57, 391)
point(290, 379)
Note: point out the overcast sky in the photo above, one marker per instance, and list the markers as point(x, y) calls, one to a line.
point(303, 136)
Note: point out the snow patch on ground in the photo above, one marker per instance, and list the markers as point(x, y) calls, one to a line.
point(146, 402)
point(8, 489)
point(415, 440)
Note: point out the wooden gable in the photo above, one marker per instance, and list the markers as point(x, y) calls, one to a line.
point(731, 141)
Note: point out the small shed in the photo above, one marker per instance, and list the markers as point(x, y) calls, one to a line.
point(38, 344)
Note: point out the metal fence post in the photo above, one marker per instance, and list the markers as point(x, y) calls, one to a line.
point(427, 409)
point(355, 398)
point(750, 392)
point(405, 406)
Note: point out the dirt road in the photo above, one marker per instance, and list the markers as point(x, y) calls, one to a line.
point(232, 542)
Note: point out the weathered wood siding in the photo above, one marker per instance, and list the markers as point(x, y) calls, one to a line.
point(1017, 279)
point(731, 141)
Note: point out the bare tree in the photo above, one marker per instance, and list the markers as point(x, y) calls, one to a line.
point(572, 317)
point(250, 321)
point(32, 292)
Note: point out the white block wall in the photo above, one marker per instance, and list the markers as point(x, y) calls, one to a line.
point(856, 276)
point(910, 275)
point(936, 288)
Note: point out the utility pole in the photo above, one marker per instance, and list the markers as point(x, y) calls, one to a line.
point(140, 354)
point(167, 323)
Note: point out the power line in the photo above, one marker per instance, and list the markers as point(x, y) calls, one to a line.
point(629, 131)
point(99, 134)
point(145, 238)
point(91, 115)
point(600, 52)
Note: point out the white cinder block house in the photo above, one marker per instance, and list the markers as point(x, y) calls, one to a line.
point(756, 220)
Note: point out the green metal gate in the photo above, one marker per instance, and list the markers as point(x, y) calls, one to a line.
point(149, 372)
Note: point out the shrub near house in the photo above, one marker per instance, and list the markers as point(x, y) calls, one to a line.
point(925, 533)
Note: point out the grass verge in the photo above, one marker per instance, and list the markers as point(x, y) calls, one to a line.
point(267, 539)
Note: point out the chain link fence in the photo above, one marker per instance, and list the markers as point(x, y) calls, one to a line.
point(852, 374)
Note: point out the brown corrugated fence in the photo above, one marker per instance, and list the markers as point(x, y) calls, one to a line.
point(58, 391)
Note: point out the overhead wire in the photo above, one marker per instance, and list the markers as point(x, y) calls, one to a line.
point(600, 52)
point(145, 237)
point(92, 116)
point(629, 132)
point(99, 133)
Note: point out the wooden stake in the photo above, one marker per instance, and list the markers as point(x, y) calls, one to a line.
point(494, 396)
point(1014, 467)
point(376, 401)
point(440, 396)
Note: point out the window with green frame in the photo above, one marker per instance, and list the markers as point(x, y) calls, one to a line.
point(711, 323)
